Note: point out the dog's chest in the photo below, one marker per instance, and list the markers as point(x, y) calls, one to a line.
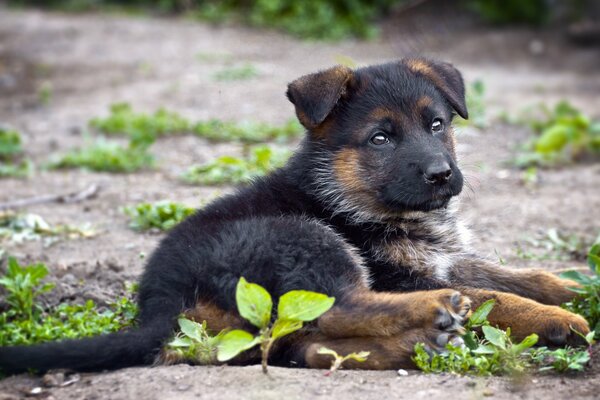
point(430, 250)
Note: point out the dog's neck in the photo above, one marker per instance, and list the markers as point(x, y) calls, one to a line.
point(427, 242)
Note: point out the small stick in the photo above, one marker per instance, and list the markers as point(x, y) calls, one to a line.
point(75, 197)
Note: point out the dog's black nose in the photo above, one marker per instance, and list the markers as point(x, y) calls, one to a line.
point(438, 173)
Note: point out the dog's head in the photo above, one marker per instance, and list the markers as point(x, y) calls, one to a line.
point(382, 135)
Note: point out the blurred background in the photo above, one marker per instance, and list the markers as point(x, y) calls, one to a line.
point(117, 118)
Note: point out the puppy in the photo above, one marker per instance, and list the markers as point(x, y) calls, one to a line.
point(363, 212)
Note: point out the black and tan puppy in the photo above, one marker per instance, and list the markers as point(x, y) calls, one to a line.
point(363, 212)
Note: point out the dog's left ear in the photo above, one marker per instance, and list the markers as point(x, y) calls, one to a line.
point(316, 95)
point(445, 77)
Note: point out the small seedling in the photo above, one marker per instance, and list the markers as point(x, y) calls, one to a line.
point(12, 163)
point(338, 360)
point(21, 227)
point(587, 302)
point(564, 134)
point(233, 170)
point(475, 98)
point(123, 120)
point(554, 245)
point(239, 73)
point(162, 215)
point(492, 354)
point(194, 343)
point(254, 304)
point(45, 93)
point(27, 321)
point(108, 157)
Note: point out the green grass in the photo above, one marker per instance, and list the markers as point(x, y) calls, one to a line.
point(475, 98)
point(563, 135)
point(491, 351)
point(107, 156)
point(12, 162)
point(234, 170)
point(125, 121)
point(237, 73)
point(554, 245)
point(587, 303)
point(162, 215)
point(27, 321)
point(251, 132)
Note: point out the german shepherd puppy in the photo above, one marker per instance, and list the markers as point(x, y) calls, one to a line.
point(364, 212)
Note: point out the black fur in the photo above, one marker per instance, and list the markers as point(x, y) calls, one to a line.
point(289, 230)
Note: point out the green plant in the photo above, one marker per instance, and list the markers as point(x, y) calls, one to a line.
point(533, 12)
point(28, 322)
point(495, 353)
point(554, 245)
point(564, 134)
point(243, 72)
point(194, 343)
point(21, 227)
point(10, 144)
point(124, 120)
point(108, 157)
point(475, 97)
point(23, 285)
point(338, 360)
point(233, 170)
point(45, 93)
point(587, 302)
point(162, 215)
point(255, 304)
point(12, 164)
point(561, 360)
point(317, 19)
point(252, 132)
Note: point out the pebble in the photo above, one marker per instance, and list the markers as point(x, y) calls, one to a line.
point(402, 372)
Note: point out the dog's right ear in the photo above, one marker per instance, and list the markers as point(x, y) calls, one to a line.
point(315, 95)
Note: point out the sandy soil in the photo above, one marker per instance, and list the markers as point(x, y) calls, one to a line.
point(91, 61)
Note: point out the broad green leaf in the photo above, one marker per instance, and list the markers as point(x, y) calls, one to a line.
point(484, 349)
point(528, 342)
point(577, 277)
point(284, 327)
point(589, 338)
point(480, 315)
point(303, 305)
point(181, 342)
point(254, 303)
point(594, 258)
point(495, 336)
point(191, 329)
point(234, 342)
point(470, 340)
point(553, 139)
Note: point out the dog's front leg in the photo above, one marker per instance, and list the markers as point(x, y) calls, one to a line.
point(541, 286)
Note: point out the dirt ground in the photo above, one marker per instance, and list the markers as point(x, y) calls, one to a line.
point(91, 61)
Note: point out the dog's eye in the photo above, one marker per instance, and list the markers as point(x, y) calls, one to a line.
point(379, 138)
point(437, 125)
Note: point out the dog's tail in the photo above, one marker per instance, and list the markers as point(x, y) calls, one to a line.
point(138, 346)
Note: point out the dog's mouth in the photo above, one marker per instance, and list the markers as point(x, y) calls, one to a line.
point(419, 202)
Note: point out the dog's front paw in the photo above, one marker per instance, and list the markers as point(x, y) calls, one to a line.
point(450, 311)
point(554, 326)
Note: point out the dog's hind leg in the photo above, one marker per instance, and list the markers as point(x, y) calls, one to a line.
point(368, 313)
point(390, 352)
point(553, 325)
